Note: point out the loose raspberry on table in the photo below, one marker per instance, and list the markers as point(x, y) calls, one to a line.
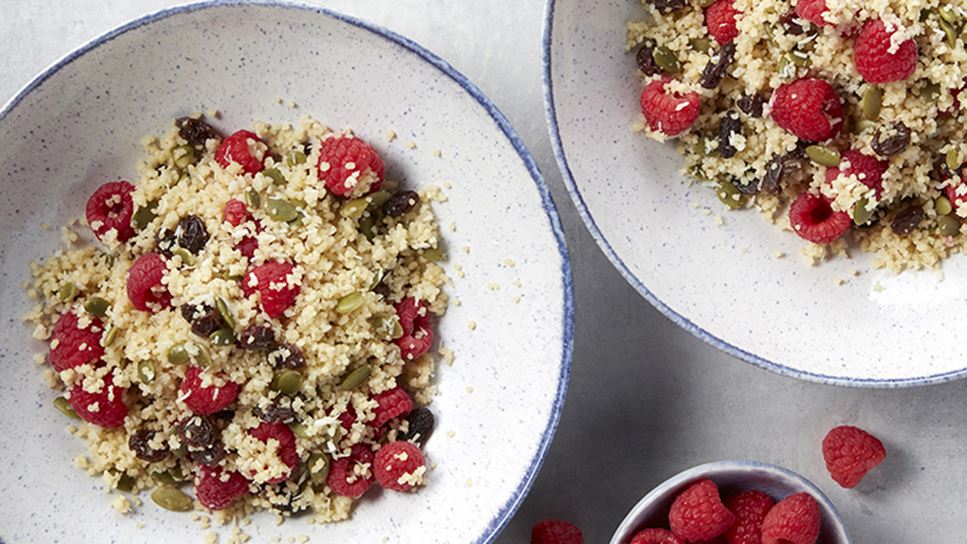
point(794, 520)
point(812, 11)
point(813, 219)
point(205, 400)
point(111, 208)
point(244, 148)
point(348, 166)
point(808, 108)
point(850, 453)
point(698, 513)
point(399, 466)
point(414, 317)
point(287, 451)
point(343, 478)
point(553, 531)
point(276, 290)
point(214, 493)
point(656, 536)
point(721, 21)
point(391, 404)
point(145, 290)
point(878, 60)
point(104, 408)
point(750, 508)
point(235, 213)
point(868, 170)
point(73, 345)
point(666, 113)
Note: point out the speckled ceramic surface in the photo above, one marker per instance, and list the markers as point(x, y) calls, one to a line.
point(725, 283)
point(78, 125)
point(731, 477)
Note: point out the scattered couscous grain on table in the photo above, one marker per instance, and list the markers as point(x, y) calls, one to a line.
point(254, 322)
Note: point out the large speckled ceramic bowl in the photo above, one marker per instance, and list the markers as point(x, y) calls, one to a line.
point(725, 283)
point(78, 125)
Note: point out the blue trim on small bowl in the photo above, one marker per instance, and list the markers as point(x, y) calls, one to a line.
point(503, 516)
point(677, 318)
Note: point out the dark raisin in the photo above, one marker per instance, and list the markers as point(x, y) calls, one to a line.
point(421, 423)
point(382, 290)
point(282, 497)
point(401, 203)
point(165, 241)
point(224, 416)
point(751, 104)
point(646, 59)
point(195, 131)
point(780, 168)
point(668, 6)
point(204, 318)
point(192, 234)
point(209, 456)
point(287, 356)
point(717, 65)
point(138, 442)
point(908, 219)
point(791, 24)
point(275, 413)
point(891, 140)
point(307, 148)
point(257, 337)
point(750, 187)
point(729, 127)
point(197, 432)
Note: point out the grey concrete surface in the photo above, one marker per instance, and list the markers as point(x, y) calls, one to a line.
point(646, 399)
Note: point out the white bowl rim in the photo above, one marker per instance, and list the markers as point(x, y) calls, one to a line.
point(708, 470)
point(670, 313)
point(507, 511)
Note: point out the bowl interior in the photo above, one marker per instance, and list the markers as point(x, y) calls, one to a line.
point(725, 283)
point(81, 125)
point(731, 477)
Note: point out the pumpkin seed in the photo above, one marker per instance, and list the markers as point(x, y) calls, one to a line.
point(274, 175)
point(949, 225)
point(434, 254)
point(730, 195)
point(172, 499)
point(97, 306)
point(379, 198)
point(950, 29)
point(350, 302)
point(125, 483)
point(864, 125)
point(861, 214)
point(287, 382)
point(666, 60)
point(953, 160)
point(318, 466)
point(299, 429)
point(178, 354)
point(823, 155)
point(187, 258)
point(145, 215)
point(948, 13)
point(298, 221)
point(354, 208)
point(109, 335)
point(800, 59)
point(224, 312)
point(164, 478)
point(367, 227)
point(280, 210)
point(146, 372)
point(872, 103)
point(943, 206)
point(930, 91)
point(702, 44)
point(355, 378)
point(387, 326)
point(223, 337)
point(64, 407)
point(67, 291)
point(253, 199)
point(295, 158)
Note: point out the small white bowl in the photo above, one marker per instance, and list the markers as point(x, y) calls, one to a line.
point(731, 476)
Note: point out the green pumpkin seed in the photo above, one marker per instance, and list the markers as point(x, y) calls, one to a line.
point(387, 326)
point(872, 103)
point(145, 215)
point(318, 466)
point(703, 45)
point(164, 478)
point(354, 208)
point(295, 158)
point(170, 498)
point(953, 160)
point(67, 291)
point(367, 227)
point(146, 372)
point(949, 225)
point(350, 303)
point(97, 306)
point(299, 429)
point(224, 312)
point(187, 258)
point(943, 206)
point(378, 278)
point(823, 155)
point(280, 210)
point(178, 354)
point(706, 3)
point(862, 215)
point(253, 199)
point(274, 175)
point(298, 221)
point(800, 59)
point(64, 407)
point(864, 125)
point(125, 483)
point(109, 335)
point(434, 254)
point(379, 198)
point(930, 91)
point(287, 382)
point(666, 60)
point(223, 337)
point(355, 378)
point(730, 196)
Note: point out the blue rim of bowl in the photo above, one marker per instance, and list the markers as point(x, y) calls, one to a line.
point(552, 125)
point(703, 470)
point(500, 520)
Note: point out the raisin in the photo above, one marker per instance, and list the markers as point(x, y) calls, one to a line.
point(730, 126)
point(751, 104)
point(421, 423)
point(750, 187)
point(192, 234)
point(891, 140)
point(717, 65)
point(307, 148)
point(401, 203)
point(275, 413)
point(209, 456)
point(257, 337)
point(195, 131)
point(646, 59)
point(197, 432)
point(908, 219)
point(165, 241)
point(668, 6)
point(792, 25)
point(287, 356)
point(781, 167)
point(138, 442)
point(382, 290)
point(204, 318)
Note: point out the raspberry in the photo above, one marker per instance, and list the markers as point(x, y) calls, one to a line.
point(205, 400)
point(348, 166)
point(398, 465)
point(873, 58)
point(247, 246)
point(794, 520)
point(813, 219)
point(287, 451)
point(343, 479)
point(720, 20)
point(809, 108)
point(552, 531)
point(347, 418)
point(111, 208)
point(71, 345)
point(869, 170)
point(850, 453)
point(656, 536)
point(235, 213)
point(812, 11)
point(669, 114)
point(274, 287)
point(145, 290)
point(104, 408)
point(391, 404)
point(957, 198)
point(215, 494)
point(698, 513)
point(417, 328)
point(750, 508)
point(236, 148)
